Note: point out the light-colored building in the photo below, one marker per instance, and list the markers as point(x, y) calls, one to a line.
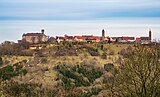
point(146, 39)
point(33, 38)
point(78, 38)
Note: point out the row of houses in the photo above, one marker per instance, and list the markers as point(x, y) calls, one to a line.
point(83, 38)
point(33, 38)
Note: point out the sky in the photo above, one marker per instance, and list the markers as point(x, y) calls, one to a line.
point(77, 9)
point(76, 17)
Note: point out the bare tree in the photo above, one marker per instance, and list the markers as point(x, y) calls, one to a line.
point(139, 76)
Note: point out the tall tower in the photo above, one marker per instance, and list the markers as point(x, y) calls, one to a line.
point(42, 31)
point(103, 35)
point(150, 34)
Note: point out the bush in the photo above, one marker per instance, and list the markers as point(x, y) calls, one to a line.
point(93, 52)
point(7, 72)
point(126, 52)
point(81, 75)
point(44, 60)
point(108, 66)
point(111, 52)
point(1, 61)
point(15, 89)
point(104, 56)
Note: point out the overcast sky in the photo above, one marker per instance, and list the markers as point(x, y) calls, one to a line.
point(77, 17)
point(77, 9)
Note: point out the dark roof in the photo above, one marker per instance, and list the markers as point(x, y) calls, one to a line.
point(34, 34)
point(69, 37)
point(127, 38)
point(115, 37)
point(59, 37)
point(87, 36)
point(144, 38)
point(51, 39)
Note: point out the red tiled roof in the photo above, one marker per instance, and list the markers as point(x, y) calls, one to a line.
point(86, 36)
point(138, 39)
point(106, 38)
point(78, 37)
point(93, 38)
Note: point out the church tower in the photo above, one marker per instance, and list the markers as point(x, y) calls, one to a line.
point(150, 34)
point(103, 35)
point(42, 31)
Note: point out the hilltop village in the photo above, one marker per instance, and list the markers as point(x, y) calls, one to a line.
point(38, 38)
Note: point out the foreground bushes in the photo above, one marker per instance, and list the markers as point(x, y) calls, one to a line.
point(73, 81)
point(15, 89)
point(10, 71)
point(82, 76)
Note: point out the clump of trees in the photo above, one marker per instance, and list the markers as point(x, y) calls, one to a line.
point(92, 51)
point(126, 52)
point(7, 72)
point(15, 89)
point(10, 48)
point(138, 76)
point(78, 73)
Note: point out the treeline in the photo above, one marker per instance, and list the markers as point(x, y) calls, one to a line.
point(10, 48)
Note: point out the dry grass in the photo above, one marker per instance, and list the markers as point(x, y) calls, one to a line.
point(116, 47)
point(14, 59)
point(73, 60)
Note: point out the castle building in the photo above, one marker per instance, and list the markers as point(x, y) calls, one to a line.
point(33, 38)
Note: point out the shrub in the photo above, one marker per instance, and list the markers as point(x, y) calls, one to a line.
point(108, 66)
point(126, 52)
point(44, 60)
point(1, 61)
point(111, 52)
point(82, 76)
point(102, 47)
point(15, 89)
point(104, 56)
point(7, 72)
point(93, 52)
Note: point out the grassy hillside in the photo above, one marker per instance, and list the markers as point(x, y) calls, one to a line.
point(67, 69)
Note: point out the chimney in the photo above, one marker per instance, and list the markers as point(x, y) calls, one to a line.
point(42, 31)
